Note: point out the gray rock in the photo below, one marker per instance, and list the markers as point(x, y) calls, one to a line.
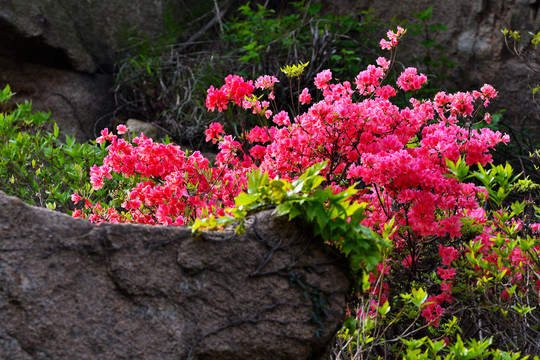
point(136, 127)
point(59, 54)
point(70, 289)
point(76, 101)
point(77, 35)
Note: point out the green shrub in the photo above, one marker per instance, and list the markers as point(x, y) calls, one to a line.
point(35, 165)
point(266, 41)
point(333, 218)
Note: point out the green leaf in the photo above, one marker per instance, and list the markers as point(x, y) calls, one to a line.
point(256, 180)
point(244, 199)
point(284, 209)
point(419, 296)
point(424, 15)
point(385, 308)
point(315, 8)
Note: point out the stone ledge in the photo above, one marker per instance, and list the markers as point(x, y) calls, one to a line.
point(71, 289)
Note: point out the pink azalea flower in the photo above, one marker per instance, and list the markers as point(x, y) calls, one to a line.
point(409, 80)
point(305, 97)
point(216, 98)
point(282, 118)
point(75, 198)
point(266, 82)
point(121, 129)
point(214, 131)
point(322, 79)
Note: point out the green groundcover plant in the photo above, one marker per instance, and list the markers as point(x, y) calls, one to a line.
point(462, 269)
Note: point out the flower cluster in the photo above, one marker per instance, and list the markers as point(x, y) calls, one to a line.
point(393, 38)
point(167, 186)
point(409, 80)
point(235, 90)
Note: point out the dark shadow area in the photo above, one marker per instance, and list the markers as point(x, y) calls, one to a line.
point(30, 49)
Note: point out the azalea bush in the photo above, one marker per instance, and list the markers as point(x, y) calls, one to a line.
point(489, 282)
point(462, 259)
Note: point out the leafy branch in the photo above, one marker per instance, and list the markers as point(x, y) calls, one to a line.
point(333, 216)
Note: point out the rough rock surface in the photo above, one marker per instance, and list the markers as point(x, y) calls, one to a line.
point(70, 289)
point(78, 35)
point(60, 54)
point(137, 127)
point(76, 101)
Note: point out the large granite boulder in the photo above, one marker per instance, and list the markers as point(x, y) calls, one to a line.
point(70, 289)
point(75, 35)
point(60, 54)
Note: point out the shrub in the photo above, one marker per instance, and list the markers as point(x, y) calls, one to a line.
point(265, 41)
point(489, 281)
point(35, 165)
